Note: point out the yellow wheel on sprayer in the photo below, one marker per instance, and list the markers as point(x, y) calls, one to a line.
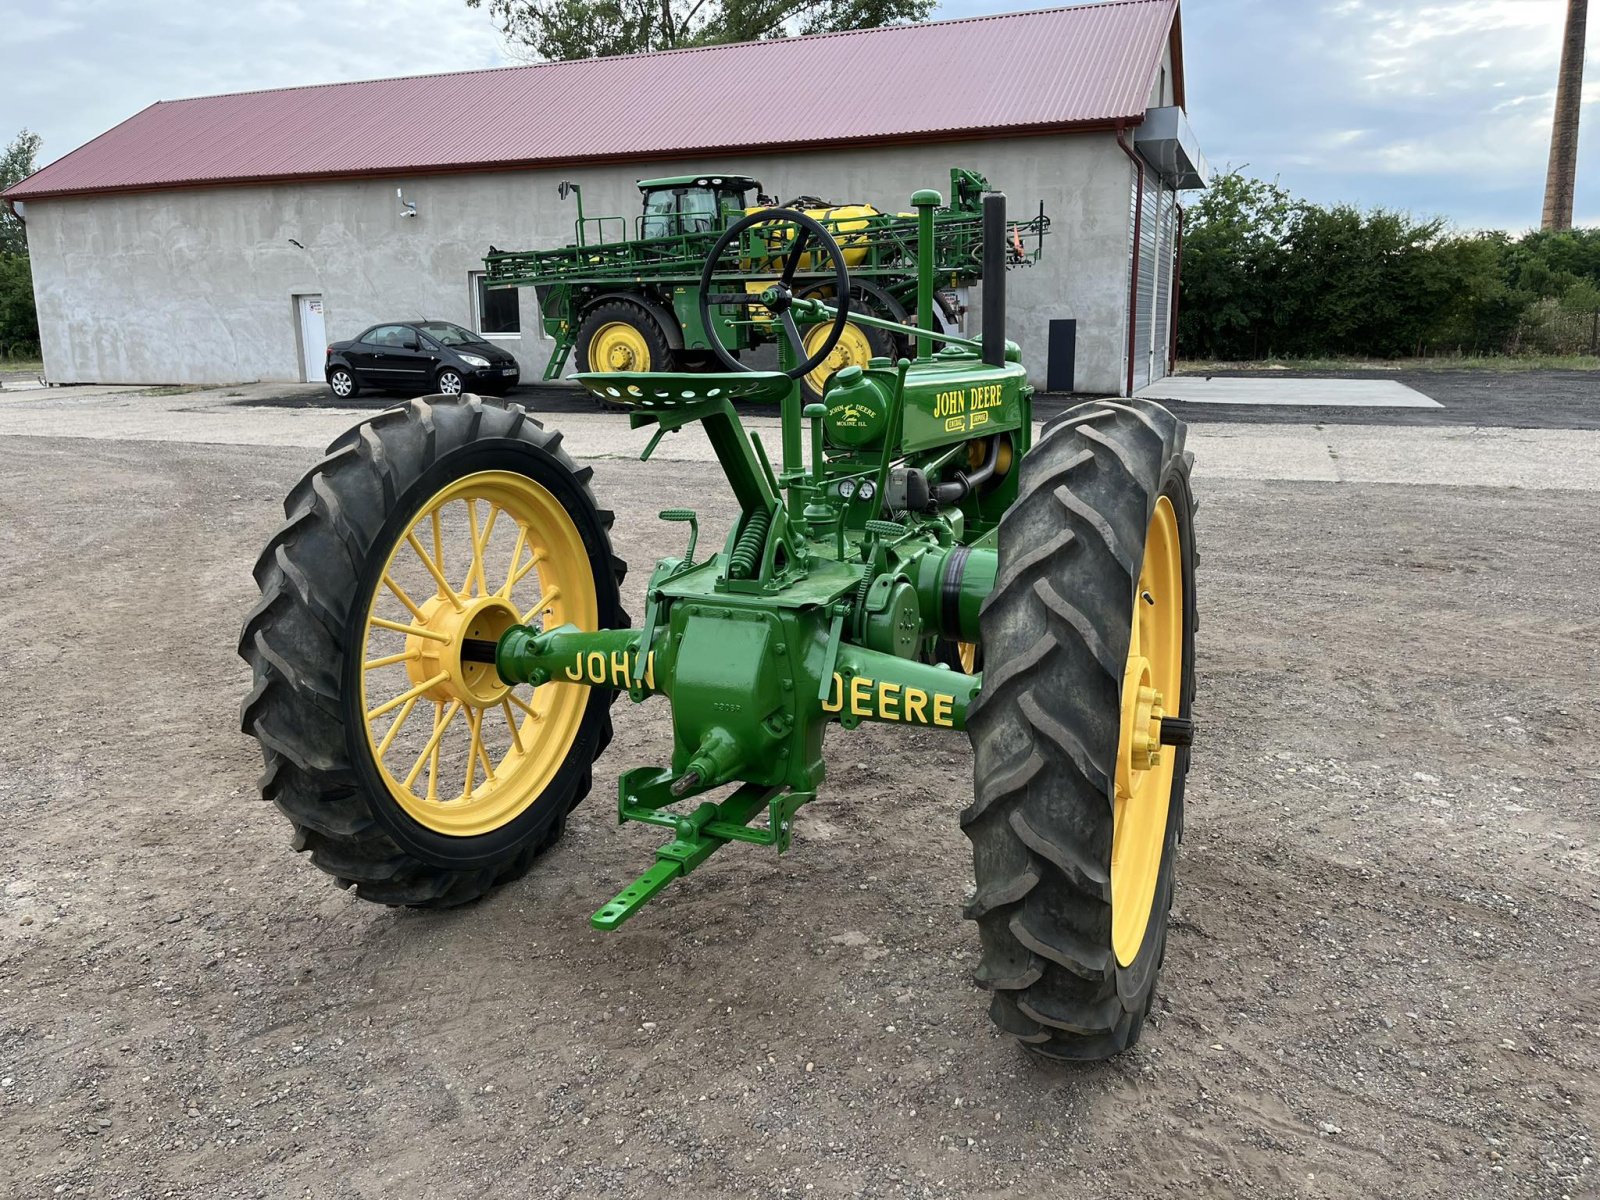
point(857, 344)
point(1081, 732)
point(619, 335)
point(406, 766)
point(854, 348)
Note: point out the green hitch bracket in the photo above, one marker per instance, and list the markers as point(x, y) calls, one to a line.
point(643, 794)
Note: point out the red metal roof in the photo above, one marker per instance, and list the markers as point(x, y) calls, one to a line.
point(1088, 65)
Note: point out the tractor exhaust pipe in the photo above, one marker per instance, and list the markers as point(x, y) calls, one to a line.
point(994, 279)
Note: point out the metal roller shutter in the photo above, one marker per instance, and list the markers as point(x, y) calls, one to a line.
point(1166, 263)
point(1145, 303)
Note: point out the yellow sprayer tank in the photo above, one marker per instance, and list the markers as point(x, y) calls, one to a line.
point(841, 220)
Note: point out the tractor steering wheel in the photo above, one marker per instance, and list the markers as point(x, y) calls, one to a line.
point(778, 298)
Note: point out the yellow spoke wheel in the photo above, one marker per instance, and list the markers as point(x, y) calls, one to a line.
point(407, 767)
point(1144, 767)
point(479, 753)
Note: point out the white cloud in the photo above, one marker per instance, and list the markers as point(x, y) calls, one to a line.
point(1405, 50)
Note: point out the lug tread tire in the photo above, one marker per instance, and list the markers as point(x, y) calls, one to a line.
point(299, 633)
point(608, 311)
point(1045, 729)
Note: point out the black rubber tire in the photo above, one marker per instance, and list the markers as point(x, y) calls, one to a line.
point(1045, 729)
point(304, 641)
point(355, 384)
point(445, 373)
point(631, 314)
point(945, 317)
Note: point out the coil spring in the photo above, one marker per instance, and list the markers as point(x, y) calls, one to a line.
point(747, 551)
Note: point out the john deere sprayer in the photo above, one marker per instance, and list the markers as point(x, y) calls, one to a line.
point(440, 638)
point(627, 297)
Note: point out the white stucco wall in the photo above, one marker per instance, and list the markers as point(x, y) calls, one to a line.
point(198, 285)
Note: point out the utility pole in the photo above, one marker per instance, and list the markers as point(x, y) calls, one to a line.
point(1562, 179)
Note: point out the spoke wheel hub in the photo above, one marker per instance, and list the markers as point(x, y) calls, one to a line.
point(475, 684)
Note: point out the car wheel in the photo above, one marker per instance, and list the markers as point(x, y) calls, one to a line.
point(450, 383)
point(343, 383)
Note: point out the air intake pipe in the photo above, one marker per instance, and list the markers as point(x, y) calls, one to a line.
point(994, 279)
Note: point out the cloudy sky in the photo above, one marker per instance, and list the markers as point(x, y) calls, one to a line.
point(1436, 106)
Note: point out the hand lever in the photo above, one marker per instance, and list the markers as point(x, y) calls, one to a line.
point(814, 413)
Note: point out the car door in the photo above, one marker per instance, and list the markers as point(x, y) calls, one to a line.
point(392, 357)
point(368, 356)
point(361, 353)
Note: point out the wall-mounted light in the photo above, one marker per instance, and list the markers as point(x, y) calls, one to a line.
point(408, 208)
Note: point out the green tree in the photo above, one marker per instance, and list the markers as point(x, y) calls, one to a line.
point(16, 164)
point(19, 321)
point(563, 29)
point(1234, 261)
point(1581, 297)
point(1265, 274)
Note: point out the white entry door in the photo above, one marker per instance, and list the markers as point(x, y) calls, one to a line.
point(313, 338)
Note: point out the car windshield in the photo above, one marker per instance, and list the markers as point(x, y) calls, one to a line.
point(447, 334)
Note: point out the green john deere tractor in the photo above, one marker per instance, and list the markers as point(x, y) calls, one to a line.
point(440, 636)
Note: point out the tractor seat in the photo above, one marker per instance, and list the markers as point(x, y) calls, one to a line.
point(652, 389)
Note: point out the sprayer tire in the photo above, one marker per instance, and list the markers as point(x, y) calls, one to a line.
point(1046, 730)
point(644, 345)
point(304, 641)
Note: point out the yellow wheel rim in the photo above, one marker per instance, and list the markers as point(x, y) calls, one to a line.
point(618, 346)
point(1151, 689)
point(852, 349)
point(967, 655)
point(459, 751)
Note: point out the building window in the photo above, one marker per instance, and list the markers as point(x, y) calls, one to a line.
point(495, 311)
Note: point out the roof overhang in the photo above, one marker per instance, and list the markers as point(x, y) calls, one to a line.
point(1166, 141)
point(551, 164)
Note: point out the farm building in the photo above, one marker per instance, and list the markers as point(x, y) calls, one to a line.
point(229, 238)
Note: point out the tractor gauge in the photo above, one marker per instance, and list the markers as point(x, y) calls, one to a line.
point(847, 488)
point(867, 490)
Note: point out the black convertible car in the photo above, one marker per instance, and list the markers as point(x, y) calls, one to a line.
point(419, 356)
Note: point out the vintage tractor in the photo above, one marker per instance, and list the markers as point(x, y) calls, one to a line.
point(440, 635)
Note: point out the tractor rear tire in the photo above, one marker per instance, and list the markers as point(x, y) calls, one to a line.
point(314, 642)
point(1072, 944)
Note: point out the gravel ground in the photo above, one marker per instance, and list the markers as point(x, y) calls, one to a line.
point(1382, 979)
